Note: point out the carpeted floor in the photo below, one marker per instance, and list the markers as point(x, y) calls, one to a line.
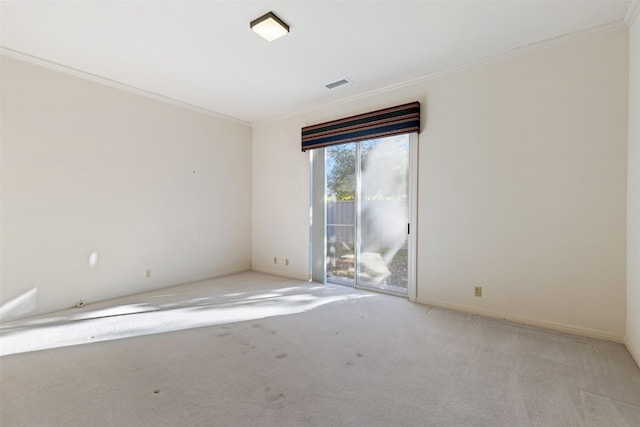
point(258, 350)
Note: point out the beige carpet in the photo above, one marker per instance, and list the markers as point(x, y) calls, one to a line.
point(258, 350)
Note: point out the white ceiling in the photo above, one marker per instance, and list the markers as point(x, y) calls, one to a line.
point(204, 54)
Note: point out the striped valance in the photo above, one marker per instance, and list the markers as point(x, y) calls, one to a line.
point(377, 124)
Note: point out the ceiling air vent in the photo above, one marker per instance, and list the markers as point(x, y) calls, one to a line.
point(337, 83)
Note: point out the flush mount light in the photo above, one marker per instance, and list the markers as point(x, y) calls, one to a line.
point(269, 26)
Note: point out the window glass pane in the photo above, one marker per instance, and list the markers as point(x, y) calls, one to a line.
point(341, 212)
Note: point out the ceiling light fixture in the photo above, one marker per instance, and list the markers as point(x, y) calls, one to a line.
point(269, 26)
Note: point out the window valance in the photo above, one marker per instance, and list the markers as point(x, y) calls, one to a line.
point(396, 120)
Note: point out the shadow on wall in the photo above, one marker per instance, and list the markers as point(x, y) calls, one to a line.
point(170, 312)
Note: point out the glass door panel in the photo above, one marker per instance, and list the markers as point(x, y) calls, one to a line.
point(384, 214)
point(341, 213)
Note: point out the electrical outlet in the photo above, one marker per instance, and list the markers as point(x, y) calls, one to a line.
point(286, 262)
point(275, 260)
point(147, 273)
point(477, 291)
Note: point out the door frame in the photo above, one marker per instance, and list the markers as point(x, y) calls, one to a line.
point(412, 286)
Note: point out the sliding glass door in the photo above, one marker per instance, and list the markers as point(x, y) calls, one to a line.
point(367, 213)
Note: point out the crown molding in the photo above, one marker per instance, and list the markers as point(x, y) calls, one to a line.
point(21, 56)
point(632, 12)
point(515, 52)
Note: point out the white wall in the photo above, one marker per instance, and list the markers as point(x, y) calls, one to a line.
point(280, 201)
point(86, 167)
point(633, 196)
point(522, 186)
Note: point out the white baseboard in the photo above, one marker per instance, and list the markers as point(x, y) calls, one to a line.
point(280, 273)
point(633, 350)
point(526, 321)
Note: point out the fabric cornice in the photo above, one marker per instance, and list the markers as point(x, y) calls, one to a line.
point(396, 120)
